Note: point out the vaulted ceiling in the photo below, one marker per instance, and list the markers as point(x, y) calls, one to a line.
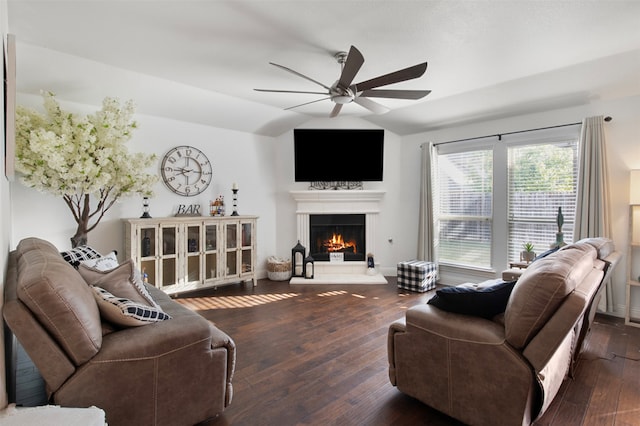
point(200, 60)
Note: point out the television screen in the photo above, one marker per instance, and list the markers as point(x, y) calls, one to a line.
point(328, 155)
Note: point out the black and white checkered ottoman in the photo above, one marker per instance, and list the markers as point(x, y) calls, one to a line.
point(417, 275)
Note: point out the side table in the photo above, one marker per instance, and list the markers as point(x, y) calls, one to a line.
point(519, 265)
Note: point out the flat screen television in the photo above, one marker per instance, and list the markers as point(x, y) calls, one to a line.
point(335, 155)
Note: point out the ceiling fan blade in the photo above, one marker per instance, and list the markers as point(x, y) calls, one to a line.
point(397, 94)
point(394, 77)
point(351, 67)
point(336, 110)
point(299, 75)
point(290, 91)
point(372, 106)
point(307, 103)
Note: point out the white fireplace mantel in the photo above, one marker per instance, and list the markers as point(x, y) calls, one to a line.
point(365, 202)
point(337, 201)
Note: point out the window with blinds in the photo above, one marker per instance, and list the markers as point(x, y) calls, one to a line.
point(465, 186)
point(541, 179)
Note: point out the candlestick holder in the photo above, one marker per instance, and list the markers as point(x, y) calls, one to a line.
point(235, 202)
point(145, 208)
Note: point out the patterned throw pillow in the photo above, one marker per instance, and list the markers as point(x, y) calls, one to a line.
point(125, 312)
point(78, 254)
point(104, 263)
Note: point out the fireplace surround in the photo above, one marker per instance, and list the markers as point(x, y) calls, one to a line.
point(361, 203)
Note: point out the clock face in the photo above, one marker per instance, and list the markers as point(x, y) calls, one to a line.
point(186, 170)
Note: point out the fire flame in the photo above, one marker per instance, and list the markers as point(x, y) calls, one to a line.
point(337, 244)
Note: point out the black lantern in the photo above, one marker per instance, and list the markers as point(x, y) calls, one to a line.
point(298, 254)
point(308, 267)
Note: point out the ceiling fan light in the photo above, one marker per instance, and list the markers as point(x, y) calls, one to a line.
point(342, 99)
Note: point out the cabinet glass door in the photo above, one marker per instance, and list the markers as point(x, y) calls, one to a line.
point(147, 242)
point(231, 231)
point(147, 247)
point(247, 234)
point(169, 272)
point(193, 251)
point(211, 251)
point(247, 247)
point(247, 260)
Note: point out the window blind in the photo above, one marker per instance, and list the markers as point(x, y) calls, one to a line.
point(541, 178)
point(465, 187)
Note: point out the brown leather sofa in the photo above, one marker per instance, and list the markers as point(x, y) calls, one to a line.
point(504, 370)
point(173, 372)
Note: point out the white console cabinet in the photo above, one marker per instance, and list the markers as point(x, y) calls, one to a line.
point(178, 254)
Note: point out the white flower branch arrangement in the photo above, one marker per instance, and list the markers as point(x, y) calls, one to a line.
point(81, 157)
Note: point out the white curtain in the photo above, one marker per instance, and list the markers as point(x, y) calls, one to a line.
point(592, 201)
point(427, 235)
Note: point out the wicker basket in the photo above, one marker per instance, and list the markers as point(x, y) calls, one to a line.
point(278, 269)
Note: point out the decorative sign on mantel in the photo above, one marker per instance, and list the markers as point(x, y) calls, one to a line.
point(349, 185)
point(188, 210)
point(336, 257)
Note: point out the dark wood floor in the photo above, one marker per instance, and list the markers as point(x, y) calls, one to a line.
point(317, 355)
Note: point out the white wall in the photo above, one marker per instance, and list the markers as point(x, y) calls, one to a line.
point(623, 154)
point(236, 157)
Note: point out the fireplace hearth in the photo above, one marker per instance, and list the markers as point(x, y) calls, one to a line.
point(337, 233)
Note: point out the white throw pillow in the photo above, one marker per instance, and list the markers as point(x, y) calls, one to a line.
point(104, 263)
point(125, 312)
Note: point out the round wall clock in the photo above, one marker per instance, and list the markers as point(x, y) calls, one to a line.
point(186, 170)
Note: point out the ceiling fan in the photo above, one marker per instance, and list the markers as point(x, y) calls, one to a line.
point(343, 91)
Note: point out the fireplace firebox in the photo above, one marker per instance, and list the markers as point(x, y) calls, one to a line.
point(337, 233)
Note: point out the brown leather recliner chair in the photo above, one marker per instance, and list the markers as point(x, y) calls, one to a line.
point(506, 369)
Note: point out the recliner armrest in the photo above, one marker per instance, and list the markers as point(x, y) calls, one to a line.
point(455, 326)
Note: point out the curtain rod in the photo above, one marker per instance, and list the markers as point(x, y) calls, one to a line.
point(500, 135)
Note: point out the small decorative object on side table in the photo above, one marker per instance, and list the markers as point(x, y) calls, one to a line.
point(527, 255)
point(559, 235)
